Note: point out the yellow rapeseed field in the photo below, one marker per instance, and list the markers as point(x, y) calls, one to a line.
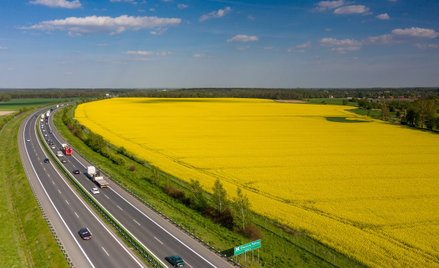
point(367, 188)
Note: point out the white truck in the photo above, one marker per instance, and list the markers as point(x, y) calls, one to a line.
point(96, 177)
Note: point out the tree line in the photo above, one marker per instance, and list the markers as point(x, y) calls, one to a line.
point(420, 113)
point(264, 93)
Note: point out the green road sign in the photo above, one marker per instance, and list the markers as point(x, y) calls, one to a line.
point(247, 247)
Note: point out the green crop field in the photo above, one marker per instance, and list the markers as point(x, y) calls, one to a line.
point(17, 104)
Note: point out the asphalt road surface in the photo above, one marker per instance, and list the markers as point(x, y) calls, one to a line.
point(67, 212)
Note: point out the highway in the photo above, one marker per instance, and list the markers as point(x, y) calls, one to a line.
point(66, 210)
point(155, 232)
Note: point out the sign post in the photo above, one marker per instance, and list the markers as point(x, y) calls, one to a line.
point(247, 247)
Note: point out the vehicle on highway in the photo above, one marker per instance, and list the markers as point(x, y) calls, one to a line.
point(53, 147)
point(46, 160)
point(63, 161)
point(84, 233)
point(28, 140)
point(176, 261)
point(59, 153)
point(76, 172)
point(96, 177)
point(94, 190)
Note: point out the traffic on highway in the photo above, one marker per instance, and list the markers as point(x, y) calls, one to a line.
point(152, 230)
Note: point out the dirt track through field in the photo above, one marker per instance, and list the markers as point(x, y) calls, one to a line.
point(6, 112)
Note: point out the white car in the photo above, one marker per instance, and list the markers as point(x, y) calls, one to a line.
point(53, 147)
point(94, 190)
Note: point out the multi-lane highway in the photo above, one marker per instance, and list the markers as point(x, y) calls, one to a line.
point(67, 212)
point(156, 233)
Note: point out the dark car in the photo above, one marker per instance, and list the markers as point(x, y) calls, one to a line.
point(84, 233)
point(46, 160)
point(176, 261)
point(76, 171)
point(63, 161)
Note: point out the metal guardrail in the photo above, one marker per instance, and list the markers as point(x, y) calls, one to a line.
point(137, 245)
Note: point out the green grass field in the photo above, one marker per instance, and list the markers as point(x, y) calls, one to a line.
point(332, 101)
point(17, 104)
point(25, 237)
point(281, 247)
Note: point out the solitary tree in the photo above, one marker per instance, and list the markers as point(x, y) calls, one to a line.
point(219, 197)
point(198, 198)
point(242, 208)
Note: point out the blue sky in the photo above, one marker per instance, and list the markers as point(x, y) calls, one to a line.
point(177, 43)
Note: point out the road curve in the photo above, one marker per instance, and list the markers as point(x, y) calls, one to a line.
point(66, 211)
point(150, 228)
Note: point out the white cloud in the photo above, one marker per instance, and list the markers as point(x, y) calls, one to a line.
point(416, 32)
point(343, 50)
point(3, 48)
point(113, 25)
point(383, 16)
point(250, 17)
point(325, 5)
point(427, 46)
point(380, 39)
point(352, 9)
point(341, 45)
point(339, 42)
point(243, 38)
point(198, 56)
point(58, 3)
point(143, 53)
point(300, 47)
point(216, 14)
point(182, 6)
point(304, 45)
point(146, 54)
point(268, 48)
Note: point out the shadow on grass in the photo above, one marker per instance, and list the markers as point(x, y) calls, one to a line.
point(341, 119)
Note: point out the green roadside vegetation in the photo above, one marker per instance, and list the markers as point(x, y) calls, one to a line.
point(25, 237)
point(281, 246)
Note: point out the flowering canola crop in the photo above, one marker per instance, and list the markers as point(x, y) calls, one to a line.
point(365, 187)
